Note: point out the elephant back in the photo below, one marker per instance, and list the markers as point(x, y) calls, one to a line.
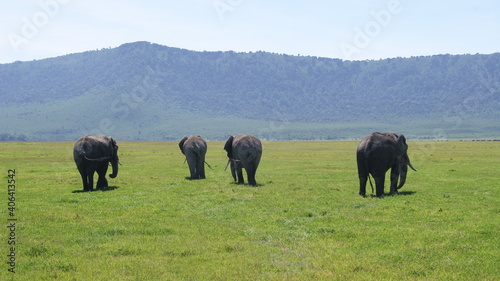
point(192, 144)
point(247, 146)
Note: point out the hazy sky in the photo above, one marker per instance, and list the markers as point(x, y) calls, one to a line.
point(356, 30)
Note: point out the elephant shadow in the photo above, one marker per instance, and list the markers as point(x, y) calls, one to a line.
point(102, 189)
point(247, 184)
point(404, 193)
point(401, 193)
point(190, 179)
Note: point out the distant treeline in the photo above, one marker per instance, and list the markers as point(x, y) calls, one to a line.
point(13, 137)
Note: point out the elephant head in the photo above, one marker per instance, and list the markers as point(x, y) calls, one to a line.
point(402, 159)
point(113, 148)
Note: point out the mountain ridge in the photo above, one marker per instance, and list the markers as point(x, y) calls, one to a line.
point(146, 91)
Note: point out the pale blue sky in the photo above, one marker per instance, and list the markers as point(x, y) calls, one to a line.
point(357, 30)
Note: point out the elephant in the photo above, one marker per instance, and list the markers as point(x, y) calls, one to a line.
point(94, 153)
point(376, 154)
point(194, 148)
point(243, 151)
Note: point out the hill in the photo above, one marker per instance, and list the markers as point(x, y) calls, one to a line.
point(144, 91)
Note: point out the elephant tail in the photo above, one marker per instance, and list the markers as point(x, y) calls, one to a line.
point(100, 159)
point(370, 180)
point(209, 165)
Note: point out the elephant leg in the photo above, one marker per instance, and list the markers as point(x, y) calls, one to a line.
point(379, 184)
point(362, 184)
point(192, 166)
point(251, 175)
point(240, 176)
point(200, 168)
point(238, 172)
point(363, 173)
point(85, 180)
point(251, 179)
point(101, 180)
point(233, 170)
point(90, 180)
point(83, 174)
point(394, 180)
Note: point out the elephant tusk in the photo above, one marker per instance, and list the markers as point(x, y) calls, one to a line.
point(370, 180)
point(120, 163)
point(208, 165)
point(409, 164)
point(227, 164)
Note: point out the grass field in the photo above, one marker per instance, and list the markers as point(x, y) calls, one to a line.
point(304, 221)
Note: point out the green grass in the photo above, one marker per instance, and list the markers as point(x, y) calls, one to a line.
point(304, 221)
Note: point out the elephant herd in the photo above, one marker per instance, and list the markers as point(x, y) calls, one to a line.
point(375, 155)
point(243, 151)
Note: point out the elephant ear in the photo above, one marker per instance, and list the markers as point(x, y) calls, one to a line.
point(229, 147)
point(110, 148)
point(113, 147)
point(181, 144)
point(402, 146)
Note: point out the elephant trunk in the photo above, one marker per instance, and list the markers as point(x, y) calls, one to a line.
point(403, 169)
point(114, 165)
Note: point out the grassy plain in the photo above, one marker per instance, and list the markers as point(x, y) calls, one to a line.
point(304, 221)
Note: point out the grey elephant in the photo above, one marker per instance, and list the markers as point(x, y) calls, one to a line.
point(94, 153)
point(244, 151)
point(378, 153)
point(194, 148)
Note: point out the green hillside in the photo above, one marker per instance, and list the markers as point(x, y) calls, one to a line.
point(144, 91)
